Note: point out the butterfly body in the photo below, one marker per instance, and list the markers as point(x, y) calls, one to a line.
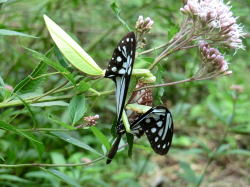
point(120, 69)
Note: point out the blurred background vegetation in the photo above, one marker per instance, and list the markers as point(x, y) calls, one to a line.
point(211, 140)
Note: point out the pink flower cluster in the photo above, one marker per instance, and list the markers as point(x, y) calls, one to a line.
point(91, 120)
point(213, 61)
point(144, 25)
point(216, 18)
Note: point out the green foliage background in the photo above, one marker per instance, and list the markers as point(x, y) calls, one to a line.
point(203, 111)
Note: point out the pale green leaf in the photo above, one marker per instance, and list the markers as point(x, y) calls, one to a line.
point(71, 50)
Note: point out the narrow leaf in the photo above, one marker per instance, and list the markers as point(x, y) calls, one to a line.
point(14, 33)
point(13, 178)
point(71, 50)
point(63, 177)
point(53, 64)
point(74, 141)
point(101, 137)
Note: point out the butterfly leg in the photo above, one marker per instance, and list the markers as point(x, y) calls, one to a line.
point(114, 149)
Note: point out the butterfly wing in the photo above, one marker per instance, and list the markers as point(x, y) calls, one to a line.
point(158, 125)
point(120, 69)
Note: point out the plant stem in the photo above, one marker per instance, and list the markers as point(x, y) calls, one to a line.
point(45, 129)
point(45, 75)
point(52, 98)
point(50, 92)
point(57, 165)
point(50, 165)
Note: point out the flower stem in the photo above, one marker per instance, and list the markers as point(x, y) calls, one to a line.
point(178, 82)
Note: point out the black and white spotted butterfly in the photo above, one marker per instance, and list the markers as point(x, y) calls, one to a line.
point(120, 69)
point(156, 123)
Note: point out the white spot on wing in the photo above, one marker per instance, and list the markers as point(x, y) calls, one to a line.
point(164, 146)
point(127, 39)
point(159, 123)
point(168, 121)
point(119, 59)
point(160, 132)
point(156, 139)
point(114, 69)
point(121, 71)
point(153, 130)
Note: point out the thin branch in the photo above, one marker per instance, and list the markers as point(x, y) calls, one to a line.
point(46, 75)
point(178, 82)
point(50, 92)
point(153, 49)
point(50, 165)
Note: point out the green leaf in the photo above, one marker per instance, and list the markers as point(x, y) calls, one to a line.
point(63, 177)
point(53, 64)
point(71, 50)
point(14, 33)
point(74, 141)
point(38, 145)
point(101, 137)
point(238, 152)
point(13, 178)
point(43, 175)
point(77, 108)
point(50, 103)
point(28, 84)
